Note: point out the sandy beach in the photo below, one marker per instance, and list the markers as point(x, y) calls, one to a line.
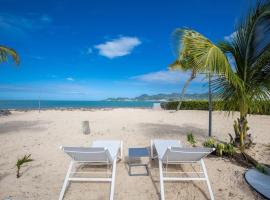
point(41, 134)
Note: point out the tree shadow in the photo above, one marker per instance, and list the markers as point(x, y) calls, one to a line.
point(154, 130)
point(14, 126)
point(3, 175)
point(156, 180)
point(26, 168)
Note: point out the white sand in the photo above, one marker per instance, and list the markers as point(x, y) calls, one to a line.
point(42, 134)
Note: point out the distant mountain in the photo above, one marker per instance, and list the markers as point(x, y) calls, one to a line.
point(162, 97)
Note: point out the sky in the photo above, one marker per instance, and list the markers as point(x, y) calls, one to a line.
point(92, 50)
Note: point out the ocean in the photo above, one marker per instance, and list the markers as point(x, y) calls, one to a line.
point(51, 104)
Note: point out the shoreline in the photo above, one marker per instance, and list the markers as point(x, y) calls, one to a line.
point(75, 109)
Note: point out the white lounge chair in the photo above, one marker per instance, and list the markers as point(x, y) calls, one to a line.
point(171, 152)
point(102, 152)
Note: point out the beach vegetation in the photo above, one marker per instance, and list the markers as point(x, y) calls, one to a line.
point(21, 162)
point(191, 139)
point(176, 66)
point(210, 143)
point(217, 105)
point(229, 150)
point(261, 168)
point(220, 149)
point(240, 66)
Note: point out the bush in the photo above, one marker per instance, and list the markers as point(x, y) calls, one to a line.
point(191, 139)
point(203, 105)
point(210, 143)
point(229, 150)
point(220, 149)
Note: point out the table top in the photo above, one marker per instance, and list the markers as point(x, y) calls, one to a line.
point(138, 152)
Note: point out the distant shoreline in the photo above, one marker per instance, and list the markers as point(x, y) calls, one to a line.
point(71, 105)
point(75, 109)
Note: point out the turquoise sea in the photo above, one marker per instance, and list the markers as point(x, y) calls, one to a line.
point(50, 104)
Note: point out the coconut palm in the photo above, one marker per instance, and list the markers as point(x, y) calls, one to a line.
point(177, 66)
point(250, 49)
point(245, 85)
point(6, 52)
point(193, 53)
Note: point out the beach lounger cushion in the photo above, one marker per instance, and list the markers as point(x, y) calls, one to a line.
point(102, 152)
point(171, 152)
point(88, 154)
point(113, 146)
point(180, 154)
point(161, 146)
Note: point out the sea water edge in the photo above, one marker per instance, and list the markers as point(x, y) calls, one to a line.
point(59, 104)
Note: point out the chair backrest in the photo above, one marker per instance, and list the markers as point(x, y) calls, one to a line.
point(89, 154)
point(179, 154)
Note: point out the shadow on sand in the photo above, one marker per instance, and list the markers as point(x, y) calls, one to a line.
point(155, 130)
point(14, 126)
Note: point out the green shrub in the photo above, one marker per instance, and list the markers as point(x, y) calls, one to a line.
point(210, 143)
point(229, 150)
point(191, 139)
point(203, 105)
point(220, 149)
point(261, 168)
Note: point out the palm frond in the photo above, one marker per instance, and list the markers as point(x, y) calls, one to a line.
point(250, 48)
point(23, 160)
point(6, 52)
point(178, 65)
point(200, 54)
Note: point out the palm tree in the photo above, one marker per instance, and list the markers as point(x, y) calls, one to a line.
point(189, 60)
point(245, 85)
point(6, 52)
point(250, 49)
point(177, 66)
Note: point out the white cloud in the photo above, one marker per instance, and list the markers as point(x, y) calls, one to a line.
point(162, 77)
point(230, 37)
point(118, 47)
point(70, 79)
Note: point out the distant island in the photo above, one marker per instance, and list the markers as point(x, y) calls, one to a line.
point(161, 97)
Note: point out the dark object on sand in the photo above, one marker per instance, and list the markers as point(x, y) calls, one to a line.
point(259, 181)
point(85, 127)
point(5, 112)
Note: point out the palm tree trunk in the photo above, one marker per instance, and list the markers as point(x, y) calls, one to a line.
point(18, 172)
point(192, 76)
point(243, 128)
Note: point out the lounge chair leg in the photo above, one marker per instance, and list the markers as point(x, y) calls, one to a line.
point(113, 179)
point(66, 181)
point(162, 195)
point(207, 180)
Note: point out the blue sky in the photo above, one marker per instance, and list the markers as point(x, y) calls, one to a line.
point(91, 50)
